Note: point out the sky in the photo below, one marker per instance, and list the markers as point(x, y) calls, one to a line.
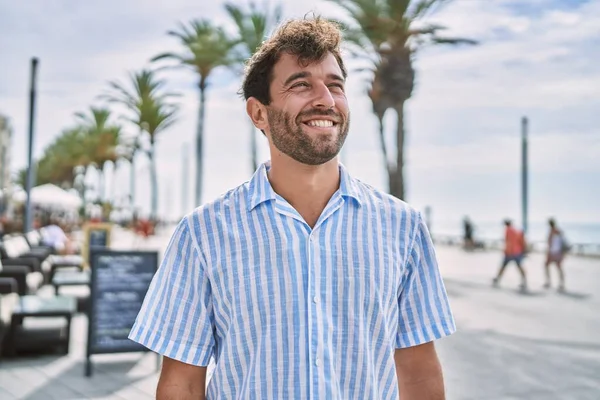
point(537, 59)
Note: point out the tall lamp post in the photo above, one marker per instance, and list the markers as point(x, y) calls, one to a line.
point(185, 180)
point(79, 184)
point(524, 173)
point(27, 224)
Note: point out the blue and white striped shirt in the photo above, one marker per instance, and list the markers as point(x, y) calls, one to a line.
point(290, 312)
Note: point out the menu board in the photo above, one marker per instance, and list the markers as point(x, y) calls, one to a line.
point(96, 235)
point(120, 280)
point(98, 238)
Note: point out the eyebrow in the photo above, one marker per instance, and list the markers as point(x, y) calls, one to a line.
point(305, 74)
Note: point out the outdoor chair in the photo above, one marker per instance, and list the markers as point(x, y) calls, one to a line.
point(9, 298)
point(34, 238)
point(17, 248)
point(41, 252)
point(12, 252)
point(26, 280)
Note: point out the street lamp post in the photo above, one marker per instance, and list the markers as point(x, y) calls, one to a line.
point(184, 179)
point(524, 173)
point(27, 223)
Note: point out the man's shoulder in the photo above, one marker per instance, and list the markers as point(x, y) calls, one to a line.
point(234, 199)
point(385, 201)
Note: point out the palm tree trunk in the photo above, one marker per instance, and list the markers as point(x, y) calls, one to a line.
point(132, 183)
point(253, 147)
point(101, 184)
point(396, 175)
point(384, 152)
point(153, 181)
point(113, 182)
point(199, 143)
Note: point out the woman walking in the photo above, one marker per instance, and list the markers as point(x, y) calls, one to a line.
point(557, 248)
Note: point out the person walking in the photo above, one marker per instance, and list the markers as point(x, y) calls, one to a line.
point(468, 242)
point(555, 254)
point(304, 282)
point(514, 250)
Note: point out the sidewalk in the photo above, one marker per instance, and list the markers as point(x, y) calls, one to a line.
point(510, 345)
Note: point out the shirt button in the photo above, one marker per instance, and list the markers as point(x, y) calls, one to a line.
point(317, 362)
point(315, 299)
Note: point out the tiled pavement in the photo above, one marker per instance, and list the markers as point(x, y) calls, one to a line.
point(510, 345)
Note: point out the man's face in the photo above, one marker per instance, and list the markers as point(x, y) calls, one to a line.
point(308, 116)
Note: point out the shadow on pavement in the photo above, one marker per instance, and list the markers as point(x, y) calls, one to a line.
point(529, 293)
point(575, 295)
point(455, 288)
point(107, 379)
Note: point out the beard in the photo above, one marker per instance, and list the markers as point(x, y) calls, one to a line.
point(291, 139)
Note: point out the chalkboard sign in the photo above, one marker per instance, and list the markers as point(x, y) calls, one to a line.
point(98, 238)
point(120, 280)
point(96, 234)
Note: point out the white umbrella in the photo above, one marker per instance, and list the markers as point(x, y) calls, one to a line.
point(49, 195)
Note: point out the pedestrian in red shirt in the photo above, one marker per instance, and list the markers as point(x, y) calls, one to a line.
point(514, 250)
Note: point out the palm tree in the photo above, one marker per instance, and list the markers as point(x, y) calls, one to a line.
point(253, 26)
point(128, 150)
point(386, 35)
point(152, 112)
point(56, 164)
point(101, 137)
point(205, 48)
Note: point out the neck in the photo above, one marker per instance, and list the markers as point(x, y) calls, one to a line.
point(304, 186)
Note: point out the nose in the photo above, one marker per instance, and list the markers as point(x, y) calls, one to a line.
point(323, 97)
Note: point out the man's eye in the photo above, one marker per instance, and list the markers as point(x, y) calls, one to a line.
point(300, 84)
point(337, 86)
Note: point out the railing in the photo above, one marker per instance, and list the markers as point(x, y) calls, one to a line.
point(577, 249)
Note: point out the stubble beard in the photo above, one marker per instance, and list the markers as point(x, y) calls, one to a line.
point(291, 139)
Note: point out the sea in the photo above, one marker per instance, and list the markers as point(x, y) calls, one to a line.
point(537, 232)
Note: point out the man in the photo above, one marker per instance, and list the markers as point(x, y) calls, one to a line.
point(514, 250)
point(469, 243)
point(54, 236)
point(557, 247)
point(302, 283)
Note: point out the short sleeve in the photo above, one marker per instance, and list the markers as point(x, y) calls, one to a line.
point(176, 319)
point(424, 310)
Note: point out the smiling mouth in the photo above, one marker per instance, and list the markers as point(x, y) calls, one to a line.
point(320, 123)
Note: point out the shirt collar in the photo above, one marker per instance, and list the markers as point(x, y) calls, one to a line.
point(260, 189)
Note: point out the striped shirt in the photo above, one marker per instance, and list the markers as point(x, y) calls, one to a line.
point(290, 312)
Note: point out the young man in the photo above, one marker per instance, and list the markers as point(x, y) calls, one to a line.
point(555, 254)
point(514, 250)
point(302, 283)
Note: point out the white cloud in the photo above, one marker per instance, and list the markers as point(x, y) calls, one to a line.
point(462, 123)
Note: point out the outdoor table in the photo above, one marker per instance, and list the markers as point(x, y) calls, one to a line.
point(21, 338)
point(70, 278)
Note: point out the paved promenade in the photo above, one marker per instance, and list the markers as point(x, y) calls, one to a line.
point(511, 345)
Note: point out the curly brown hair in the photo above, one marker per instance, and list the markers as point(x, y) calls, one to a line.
point(309, 39)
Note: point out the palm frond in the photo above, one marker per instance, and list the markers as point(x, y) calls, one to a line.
point(205, 47)
point(150, 106)
point(424, 7)
point(454, 41)
point(430, 29)
point(168, 56)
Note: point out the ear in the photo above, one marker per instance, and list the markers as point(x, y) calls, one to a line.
point(257, 113)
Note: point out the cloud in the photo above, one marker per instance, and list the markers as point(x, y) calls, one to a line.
point(537, 58)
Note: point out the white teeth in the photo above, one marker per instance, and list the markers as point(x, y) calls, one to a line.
point(320, 123)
